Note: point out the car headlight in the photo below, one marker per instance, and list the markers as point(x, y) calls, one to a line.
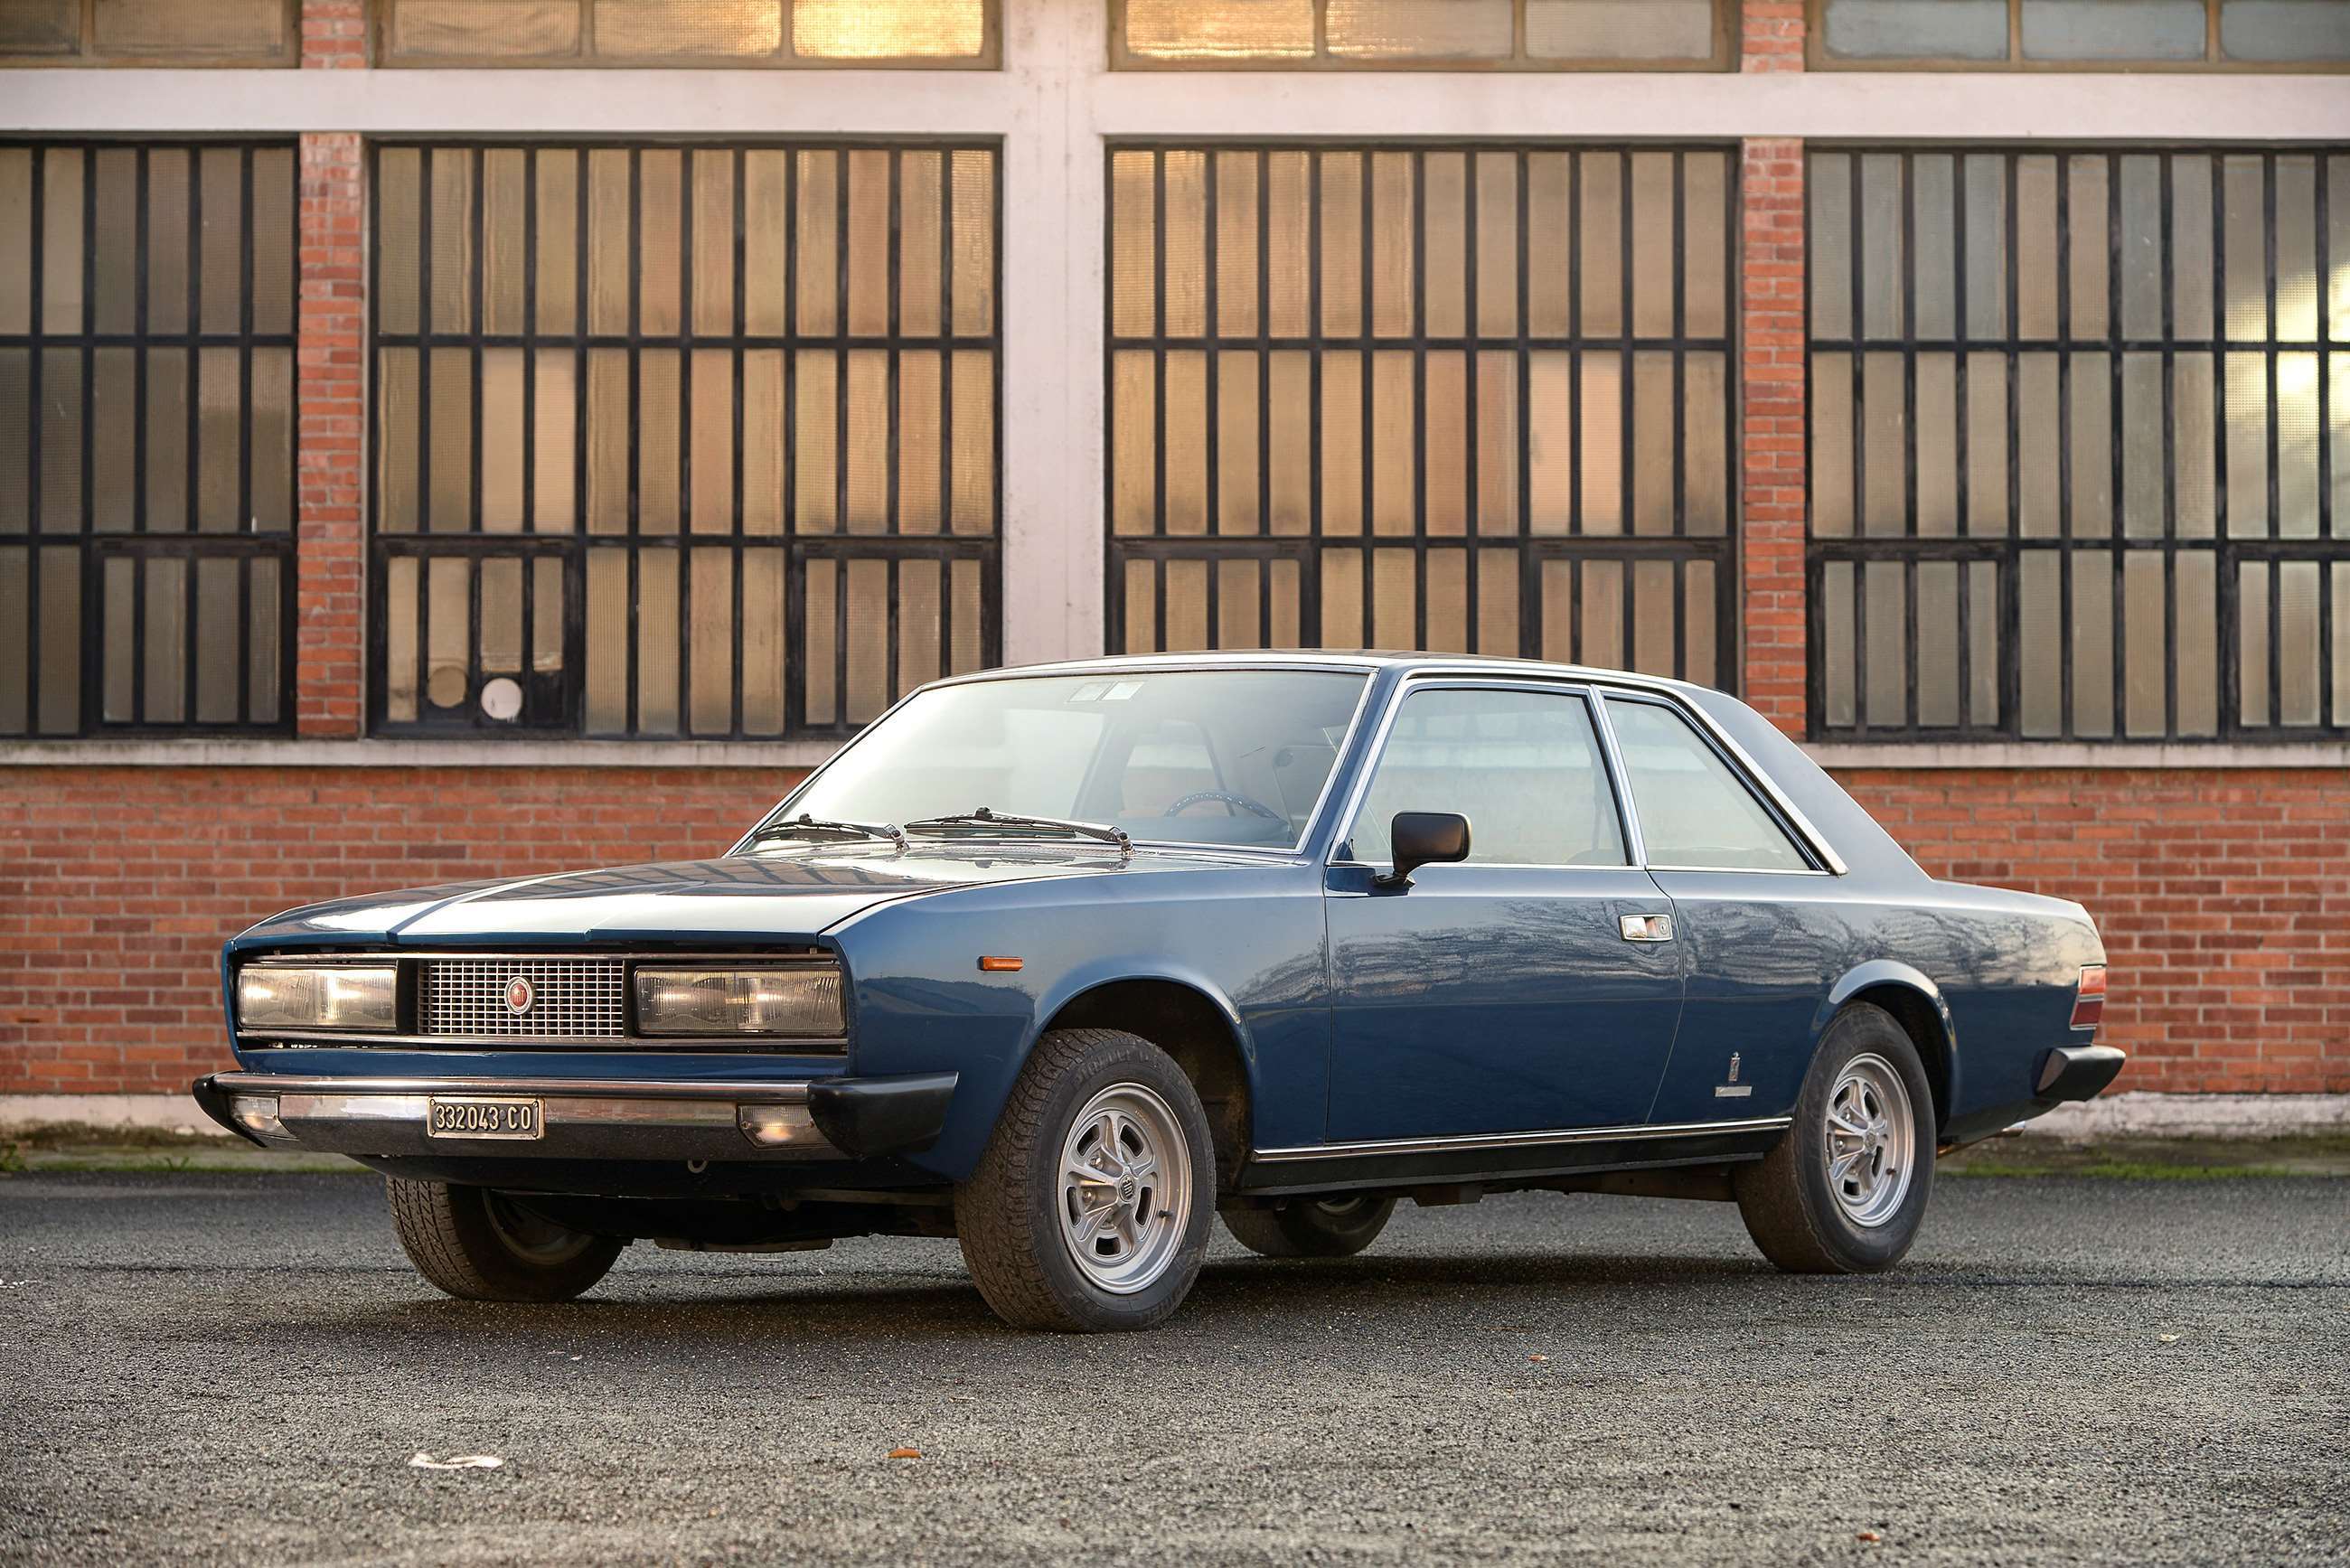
point(329, 996)
point(801, 1000)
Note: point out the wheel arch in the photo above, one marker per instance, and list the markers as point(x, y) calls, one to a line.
point(1193, 1024)
point(1916, 1003)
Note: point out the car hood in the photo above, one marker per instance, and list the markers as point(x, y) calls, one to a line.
point(784, 892)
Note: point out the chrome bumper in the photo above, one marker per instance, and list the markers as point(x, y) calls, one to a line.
point(588, 1118)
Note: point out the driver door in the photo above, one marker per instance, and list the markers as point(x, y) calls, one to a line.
point(1501, 994)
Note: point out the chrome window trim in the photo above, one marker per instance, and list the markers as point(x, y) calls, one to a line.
point(1412, 686)
point(1175, 665)
point(1370, 1148)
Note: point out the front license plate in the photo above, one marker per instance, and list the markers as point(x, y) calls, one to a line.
point(481, 1117)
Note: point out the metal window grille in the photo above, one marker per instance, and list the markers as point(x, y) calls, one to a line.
point(146, 438)
point(1470, 398)
point(2079, 454)
point(1458, 35)
point(681, 441)
point(787, 33)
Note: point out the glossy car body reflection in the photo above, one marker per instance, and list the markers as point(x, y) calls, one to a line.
point(1482, 1023)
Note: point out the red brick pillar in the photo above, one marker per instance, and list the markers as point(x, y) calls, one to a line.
point(1771, 412)
point(332, 548)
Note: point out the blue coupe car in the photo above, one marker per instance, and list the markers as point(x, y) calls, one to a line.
point(1066, 962)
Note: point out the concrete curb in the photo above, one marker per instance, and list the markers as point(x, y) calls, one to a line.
point(2135, 1114)
point(2139, 1114)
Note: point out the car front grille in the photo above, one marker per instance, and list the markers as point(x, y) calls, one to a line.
point(569, 998)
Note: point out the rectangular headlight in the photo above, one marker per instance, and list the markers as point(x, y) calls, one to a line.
point(329, 996)
point(799, 1002)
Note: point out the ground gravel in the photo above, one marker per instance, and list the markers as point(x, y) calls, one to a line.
point(239, 1369)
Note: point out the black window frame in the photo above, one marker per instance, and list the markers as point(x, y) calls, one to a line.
point(574, 545)
point(1572, 548)
point(2328, 545)
point(192, 546)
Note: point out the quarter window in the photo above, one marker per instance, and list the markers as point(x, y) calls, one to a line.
point(1522, 766)
point(1694, 810)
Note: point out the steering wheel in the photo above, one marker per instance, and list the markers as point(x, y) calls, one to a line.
point(1223, 797)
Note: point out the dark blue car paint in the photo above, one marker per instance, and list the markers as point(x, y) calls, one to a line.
point(1460, 969)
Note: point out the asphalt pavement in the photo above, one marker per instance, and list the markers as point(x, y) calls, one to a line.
point(242, 1369)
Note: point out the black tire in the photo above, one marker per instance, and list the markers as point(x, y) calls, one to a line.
point(1008, 1216)
point(1786, 1199)
point(481, 1246)
point(1311, 1228)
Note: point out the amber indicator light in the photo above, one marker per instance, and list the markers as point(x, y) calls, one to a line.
point(999, 965)
point(2089, 1002)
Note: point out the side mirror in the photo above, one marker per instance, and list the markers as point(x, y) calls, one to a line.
point(1424, 838)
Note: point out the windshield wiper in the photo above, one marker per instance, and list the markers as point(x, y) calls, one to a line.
point(985, 817)
point(806, 823)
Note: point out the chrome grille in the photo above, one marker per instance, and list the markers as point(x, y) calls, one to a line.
point(572, 997)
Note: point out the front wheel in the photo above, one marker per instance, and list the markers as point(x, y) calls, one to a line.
point(482, 1246)
point(1846, 1190)
point(1089, 1210)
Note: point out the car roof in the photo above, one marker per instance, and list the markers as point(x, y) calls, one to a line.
point(1365, 660)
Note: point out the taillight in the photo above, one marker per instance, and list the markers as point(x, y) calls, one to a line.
point(2089, 1002)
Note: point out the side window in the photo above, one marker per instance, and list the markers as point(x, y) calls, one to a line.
point(1522, 766)
point(1693, 810)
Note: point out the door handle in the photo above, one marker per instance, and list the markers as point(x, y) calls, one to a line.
point(1644, 928)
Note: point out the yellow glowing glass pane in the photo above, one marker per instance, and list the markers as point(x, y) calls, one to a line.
point(888, 29)
point(1220, 29)
point(738, 29)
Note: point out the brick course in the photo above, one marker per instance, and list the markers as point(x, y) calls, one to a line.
point(119, 885)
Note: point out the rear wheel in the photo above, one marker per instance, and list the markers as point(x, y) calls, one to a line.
point(1846, 1188)
point(1311, 1227)
point(481, 1245)
point(1089, 1210)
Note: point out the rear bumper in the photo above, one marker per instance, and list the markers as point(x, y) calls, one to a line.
point(2075, 1072)
point(624, 1119)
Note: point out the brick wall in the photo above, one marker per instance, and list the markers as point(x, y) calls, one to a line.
point(2223, 897)
point(119, 885)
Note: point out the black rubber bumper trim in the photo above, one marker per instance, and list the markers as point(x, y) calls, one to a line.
point(2077, 1072)
point(867, 1116)
point(212, 1100)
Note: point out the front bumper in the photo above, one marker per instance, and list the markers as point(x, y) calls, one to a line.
point(824, 1118)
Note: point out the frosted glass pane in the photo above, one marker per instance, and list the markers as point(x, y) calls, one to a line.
point(2284, 30)
point(485, 29)
point(1220, 29)
point(1620, 30)
point(714, 29)
point(887, 29)
point(2113, 29)
point(1418, 29)
point(1916, 30)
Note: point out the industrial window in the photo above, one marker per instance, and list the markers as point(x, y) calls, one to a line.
point(1429, 34)
point(1462, 398)
point(2081, 443)
point(146, 438)
point(738, 33)
point(250, 33)
point(2080, 35)
point(681, 440)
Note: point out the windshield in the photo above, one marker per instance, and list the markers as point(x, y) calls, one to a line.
point(1194, 756)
